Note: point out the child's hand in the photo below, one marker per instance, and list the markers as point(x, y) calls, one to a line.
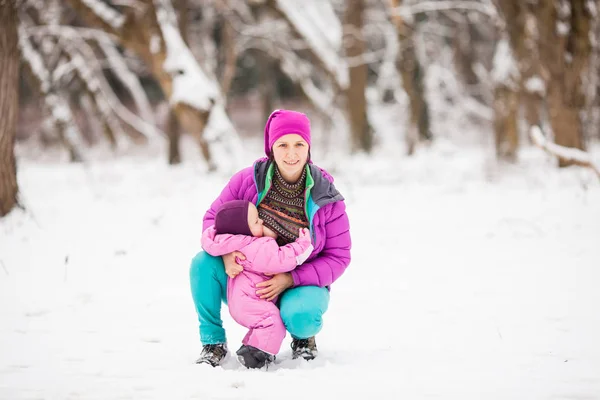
point(304, 233)
point(232, 266)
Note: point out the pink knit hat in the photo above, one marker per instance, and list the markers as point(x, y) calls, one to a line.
point(284, 122)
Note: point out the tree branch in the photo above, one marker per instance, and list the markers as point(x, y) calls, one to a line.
point(566, 154)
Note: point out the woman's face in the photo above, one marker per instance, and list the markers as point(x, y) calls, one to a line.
point(291, 154)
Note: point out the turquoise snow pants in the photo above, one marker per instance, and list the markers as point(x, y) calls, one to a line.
point(301, 307)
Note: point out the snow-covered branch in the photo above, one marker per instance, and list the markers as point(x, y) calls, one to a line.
point(106, 100)
point(130, 80)
point(505, 71)
point(191, 85)
point(409, 11)
point(316, 22)
point(106, 13)
point(145, 125)
point(58, 109)
point(568, 154)
point(66, 31)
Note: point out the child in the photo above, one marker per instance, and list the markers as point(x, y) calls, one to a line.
point(237, 227)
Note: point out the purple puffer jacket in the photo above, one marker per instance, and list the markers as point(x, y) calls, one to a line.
point(330, 227)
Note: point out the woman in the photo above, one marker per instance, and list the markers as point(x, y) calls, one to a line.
point(290, 193)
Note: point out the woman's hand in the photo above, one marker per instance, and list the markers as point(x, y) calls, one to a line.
point(232, 268)
point(274, 286)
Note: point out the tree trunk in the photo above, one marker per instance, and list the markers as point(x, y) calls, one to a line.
point(174, 136)
point(464, 56)
point(333, 71)
point(9, 103)
point(532, 102)
point(267, 85)
point(361, 133)
point(565, 55)
point(412, 79)
point(506, 132)
point(230, 57)
point(565, 121)
point(135, 34)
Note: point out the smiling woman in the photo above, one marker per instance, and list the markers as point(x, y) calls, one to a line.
point(290, 153)
point(291, 193)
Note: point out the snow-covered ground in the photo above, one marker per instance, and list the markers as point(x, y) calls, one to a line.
point(468, 281)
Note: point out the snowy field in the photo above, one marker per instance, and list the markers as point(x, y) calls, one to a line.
point(467, 282)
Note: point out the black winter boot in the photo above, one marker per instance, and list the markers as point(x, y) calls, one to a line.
point(305, 348)
point(251, 357)
point(213, 354)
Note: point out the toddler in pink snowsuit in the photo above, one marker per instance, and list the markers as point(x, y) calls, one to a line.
point(237, 227)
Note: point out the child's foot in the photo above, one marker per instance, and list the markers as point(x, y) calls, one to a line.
point(251, 357)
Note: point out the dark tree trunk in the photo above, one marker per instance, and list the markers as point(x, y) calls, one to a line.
point(566, 57)
point(362, 136)
point(412, 79)
point(174, 135)
point(506, 131)
point(9, 104)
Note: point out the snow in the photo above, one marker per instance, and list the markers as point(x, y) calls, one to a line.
point(535, 84)
point(317, 23)
point(60, 110)
point(591, 8)
point(408, 11)
point(562, 28)
point(224, 140)
point(106, 13)
point(467, 282)
point(505, 69)
point(567, 153)
point(34, 59)
point(190, 84)
point(154, 44)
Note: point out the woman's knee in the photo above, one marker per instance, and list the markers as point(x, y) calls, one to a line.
point(302, 310)
point(203, 264)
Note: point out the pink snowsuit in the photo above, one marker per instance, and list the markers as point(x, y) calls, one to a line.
point(263, 255)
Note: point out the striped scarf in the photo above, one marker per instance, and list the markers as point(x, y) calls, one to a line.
point(282, 209)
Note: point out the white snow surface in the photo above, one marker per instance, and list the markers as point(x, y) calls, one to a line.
point(468, 281)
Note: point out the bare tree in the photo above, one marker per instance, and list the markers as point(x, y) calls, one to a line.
point(361, 132)
point(506, 102)
point(524, 87)
point(467, 37)
point(304, 42)
point(150, 29)
point(9, 104)
point(565, 50)
point(412, 78)
point(567, 154)
point(65, 64)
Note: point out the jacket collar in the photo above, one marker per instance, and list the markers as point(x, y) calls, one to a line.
point(323, 190)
